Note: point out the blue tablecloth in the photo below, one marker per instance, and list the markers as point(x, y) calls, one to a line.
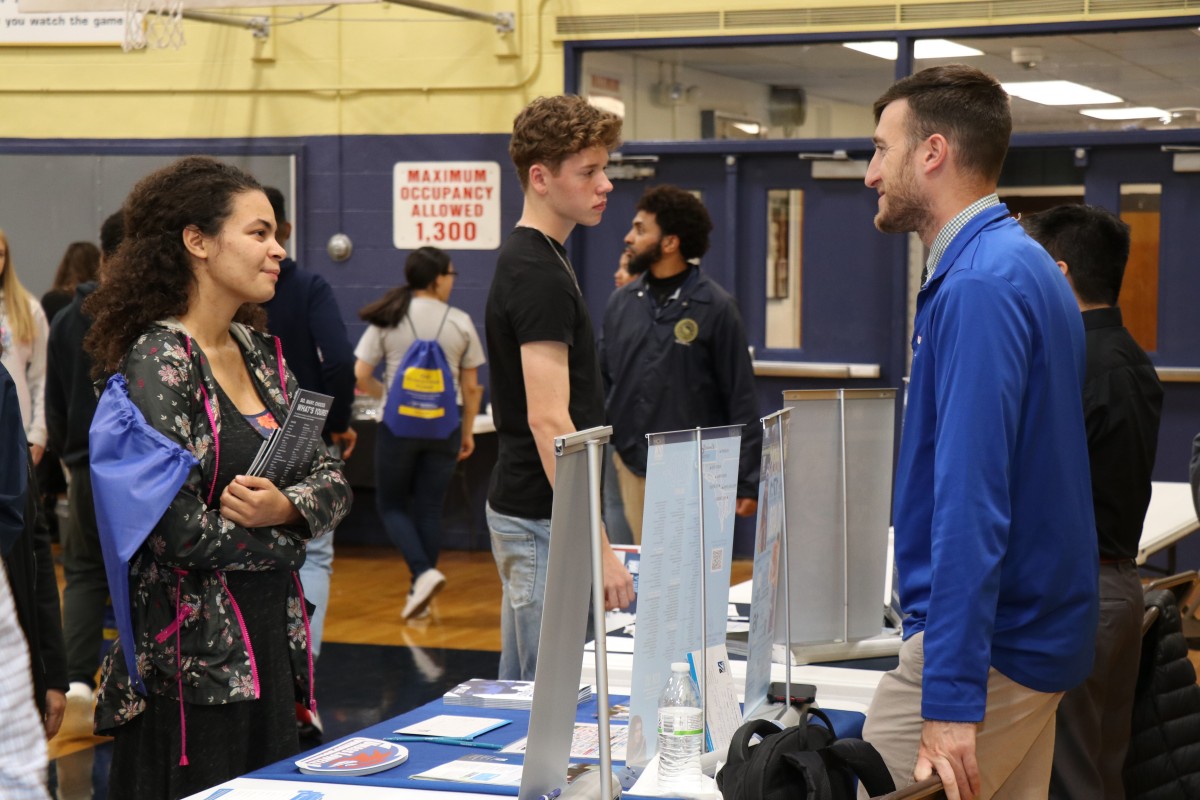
point(423, 756)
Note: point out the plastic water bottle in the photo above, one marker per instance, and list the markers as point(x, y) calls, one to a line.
point(680, 730)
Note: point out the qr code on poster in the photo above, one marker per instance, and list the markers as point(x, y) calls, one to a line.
point(716, 561)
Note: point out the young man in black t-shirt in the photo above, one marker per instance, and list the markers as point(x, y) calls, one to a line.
point(545, 378)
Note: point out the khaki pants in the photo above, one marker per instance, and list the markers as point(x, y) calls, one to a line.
point(633, 496)
point(1014, 744)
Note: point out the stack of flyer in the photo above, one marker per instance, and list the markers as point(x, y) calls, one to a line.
point(357, 756)
point(487, 693)
point(285, 458)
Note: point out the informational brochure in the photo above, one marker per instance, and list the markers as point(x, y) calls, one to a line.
point(307, 788)
point(278, 792)
point(284, 458)
point(493, 770)
point(722, 711)
point(451, 727)
point(585, 743)
point(497, 693)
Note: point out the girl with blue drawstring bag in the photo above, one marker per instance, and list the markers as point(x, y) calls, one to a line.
point(213, 647)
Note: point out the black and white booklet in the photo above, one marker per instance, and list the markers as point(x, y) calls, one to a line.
point(285, 457)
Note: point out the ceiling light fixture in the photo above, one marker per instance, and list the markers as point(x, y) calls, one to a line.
point(1059, 93)
point(614, 105)
point(924, 48)
point(1135, 112)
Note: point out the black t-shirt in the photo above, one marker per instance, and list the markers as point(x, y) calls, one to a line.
point(534, 298)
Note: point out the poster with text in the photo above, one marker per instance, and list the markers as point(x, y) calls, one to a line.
point(768, 542)
point(675, 565)
point(59, 27)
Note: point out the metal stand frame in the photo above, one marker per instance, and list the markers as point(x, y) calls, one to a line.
point(578, 459)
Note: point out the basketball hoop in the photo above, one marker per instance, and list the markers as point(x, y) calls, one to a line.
point(153, 23)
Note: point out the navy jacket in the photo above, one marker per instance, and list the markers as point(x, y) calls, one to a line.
point(70, 393)
point(684, 365)
point(304, 315)
point(995, 538)
point(14, 455)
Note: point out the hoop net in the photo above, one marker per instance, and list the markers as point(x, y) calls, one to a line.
point(153, 23)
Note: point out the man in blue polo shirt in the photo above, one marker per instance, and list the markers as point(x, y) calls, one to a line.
point(995, 537)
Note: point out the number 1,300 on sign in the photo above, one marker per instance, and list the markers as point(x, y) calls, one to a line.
point(446, 231)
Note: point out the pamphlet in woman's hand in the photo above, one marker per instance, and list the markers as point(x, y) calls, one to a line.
point(284, 459)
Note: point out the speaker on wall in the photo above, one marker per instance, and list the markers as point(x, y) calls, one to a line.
point(787, 106)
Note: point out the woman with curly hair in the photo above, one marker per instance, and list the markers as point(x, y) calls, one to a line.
point(23, 336)
point(220, 630)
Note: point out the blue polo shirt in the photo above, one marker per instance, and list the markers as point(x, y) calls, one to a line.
point(995, 538)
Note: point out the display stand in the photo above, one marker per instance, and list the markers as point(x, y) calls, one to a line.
point(770, 551)
point(837, 489)
point(577, 470)
point(683, 589)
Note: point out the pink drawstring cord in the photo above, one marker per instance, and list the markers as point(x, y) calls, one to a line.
point(237, 612)
point(183, 759)
point(282, 374)
point(312, 684)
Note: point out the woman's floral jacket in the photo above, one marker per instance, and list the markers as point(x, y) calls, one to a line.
point(177, 587)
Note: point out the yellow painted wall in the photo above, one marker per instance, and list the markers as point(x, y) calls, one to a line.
point(359, 69)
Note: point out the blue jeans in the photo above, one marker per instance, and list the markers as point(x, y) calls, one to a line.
point(521, 548)
point(615, 521)
point(314, 577)
point(411, 480)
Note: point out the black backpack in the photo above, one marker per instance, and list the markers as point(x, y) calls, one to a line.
point(804, 762)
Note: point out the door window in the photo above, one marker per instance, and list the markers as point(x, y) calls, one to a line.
point(785, 218)
point(1141, 211)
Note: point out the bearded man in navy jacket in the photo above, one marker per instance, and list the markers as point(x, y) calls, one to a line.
point(995, 538)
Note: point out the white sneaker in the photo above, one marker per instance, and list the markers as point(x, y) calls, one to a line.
point(427, 584)
point(80, 692)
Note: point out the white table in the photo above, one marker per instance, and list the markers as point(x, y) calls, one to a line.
point(837, 687)
point(271, 789)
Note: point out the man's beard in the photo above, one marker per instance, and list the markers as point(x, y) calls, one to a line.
point(905, 210)
point(640, 262)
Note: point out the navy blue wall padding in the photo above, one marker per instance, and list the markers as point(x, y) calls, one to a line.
point(853, 306)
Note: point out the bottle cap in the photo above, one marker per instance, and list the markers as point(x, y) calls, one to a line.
point(680, 666)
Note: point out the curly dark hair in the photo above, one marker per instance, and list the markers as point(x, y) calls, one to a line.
point(552, 129)
point(679, 213)
point(150, 275)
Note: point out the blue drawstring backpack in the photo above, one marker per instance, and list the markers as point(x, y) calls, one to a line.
point(421, 402)
point(136, 473)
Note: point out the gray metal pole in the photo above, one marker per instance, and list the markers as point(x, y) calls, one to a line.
point(504, 20)
point(259, 26)
point(703, 582)
point(785, 424)
point(845, 523)
point(595, 451)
